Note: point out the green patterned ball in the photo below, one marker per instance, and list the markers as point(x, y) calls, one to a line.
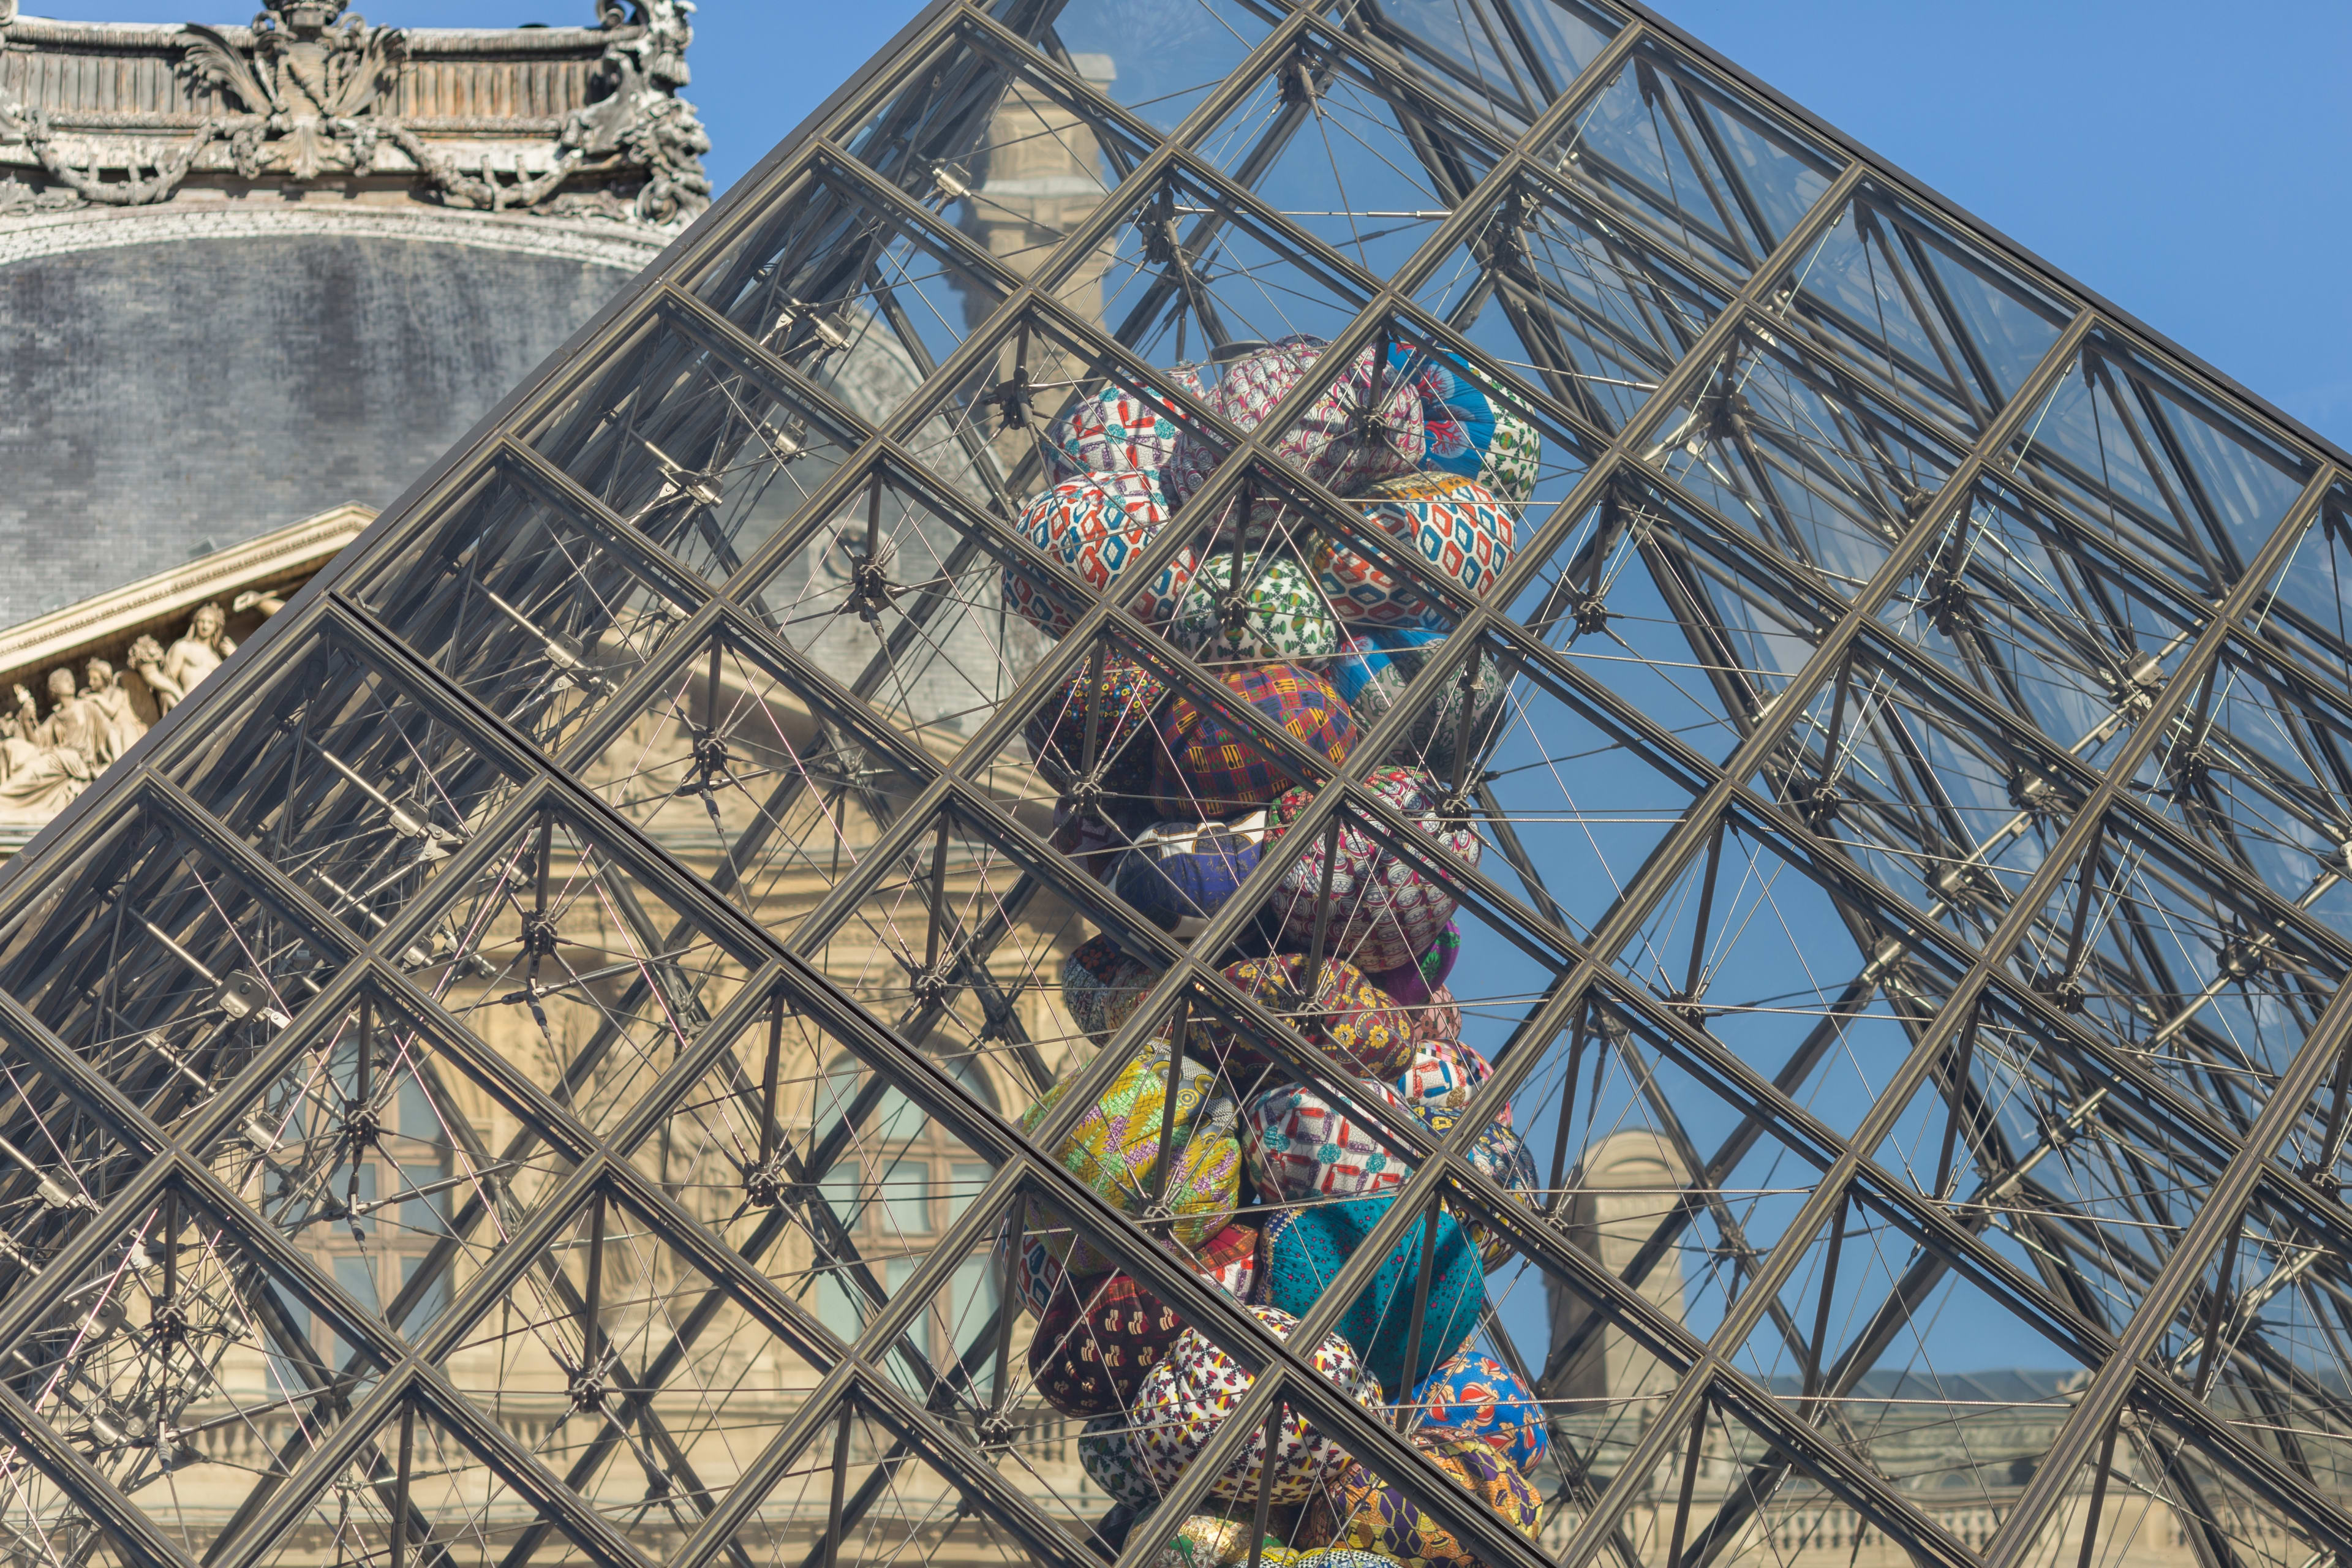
point(1512, 460)
point(1283, 615)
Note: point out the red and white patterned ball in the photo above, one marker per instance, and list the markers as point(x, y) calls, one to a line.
point(1384, 911)
point(1110, 432)
point(1454, 524)
point(1189, 1395)
point(1299, 1146)
point(1097, 525)
point(1325, 441)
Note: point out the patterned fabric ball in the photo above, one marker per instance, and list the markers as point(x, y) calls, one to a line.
point(1501, 1156)
point(1123, 703)
point(1299, 1146)
point(1177, 874)
point(1280, 616)
point(1377, 1516)
point(1206, 768)
point(1037, 1273)
point(1439, 1078)
point(1097, 525)
point(1411, 983)
point(1116, 1144)
point(1384, 913)
point(1372, 668)
point(1091, 1350)
point(1108, 1453)
point(1455, 525)
point(1110, 432)
point(1439, 1018)
point(1206, 1541)
point(1324, 442)
point(1481, 1397)
point(1456, 412)
point(1103, 985)
point(1227, 1261)
point(1195, 1387)
point(1349, 1018)
point(1513, 461)
point(1305, 1248)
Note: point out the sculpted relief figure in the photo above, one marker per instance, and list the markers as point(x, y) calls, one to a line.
point(172, 674)
point(45, 763)
point(116, 726)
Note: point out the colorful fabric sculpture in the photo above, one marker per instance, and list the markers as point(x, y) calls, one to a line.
point(1439, 1018)
point(1376, 1517)
point(1349, 1019)
point(1513, 460)
point(1037, 1273)
point(1097, 525)
point(1299, 1146)
point(1110, 432)
point(1439, 1078)
point(1412, 983)
point(1266, 607)
point(1227, 1261)
point(1116, 1144)
point(1371, 669)
point(1124, 699)
point(1305, 1248)
point(1383, 912)
point(1325, 441)
point(1177, 874)
point(1106, 1452)
point(1188, 1396)
point(1103, 985)
point(1467, 434)
point(1457, 528)
point(1205, 767)
point(1481, 1397)
point(1094, 1345)
point(1206, 1541)
point(1502, 1156)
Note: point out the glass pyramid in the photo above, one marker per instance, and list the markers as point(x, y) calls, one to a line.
point(1727, 801)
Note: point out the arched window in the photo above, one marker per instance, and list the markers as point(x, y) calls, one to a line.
point(897, 1186)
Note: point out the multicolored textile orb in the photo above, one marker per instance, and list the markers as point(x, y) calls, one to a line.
point(1106, 1452)
point(1513, 460)
point(1206, 1541)
point(1481, 1397)
point(1305, 1248)
point(1299, 1146)
point(1371, 669)
point(1123, 699)
point(1349, 1018)
point(1455, 525)
point(1502, 1156)
point(1037, 1273)
point(1456, 415)
point(1280, 615)
point(1376, 1517)
point(1115, 1145)
point(1206, 768)
point(1094, 1345)
point(1383, 912)
point(1439, 1078)
point(1411, 983)
point(1097, 525)
point(1103, 985)
point(1324, 442)
point(1177, 874)
point(1439, 1018)
point(1227, 1261)
point(1110, 432)
point(1188, 1396)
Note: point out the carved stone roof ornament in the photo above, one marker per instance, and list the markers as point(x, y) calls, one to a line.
point(311, 94)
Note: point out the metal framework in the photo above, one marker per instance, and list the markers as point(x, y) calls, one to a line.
point(467, 1065)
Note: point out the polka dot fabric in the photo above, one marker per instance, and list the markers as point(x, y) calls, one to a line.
point(1305, 1248)
point(1377, 1516)
point(1323, 442)
point(1188, 1396)
point(1299, 1146)
point(1480, 1397)
point(1097, 525)
point(1349, 1018)
point(1384, 912)
point(1457, 528)
point(1110, 432)
point(1282, 615)
point(1206, 768)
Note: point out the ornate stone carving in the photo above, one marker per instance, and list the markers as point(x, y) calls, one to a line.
point(173, 673)
point(305, 94)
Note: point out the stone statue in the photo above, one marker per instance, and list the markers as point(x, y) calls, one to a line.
point(45, 763)
point(108, 702)
point(173, 674)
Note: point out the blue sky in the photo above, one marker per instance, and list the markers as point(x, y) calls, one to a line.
point(2187, 162)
